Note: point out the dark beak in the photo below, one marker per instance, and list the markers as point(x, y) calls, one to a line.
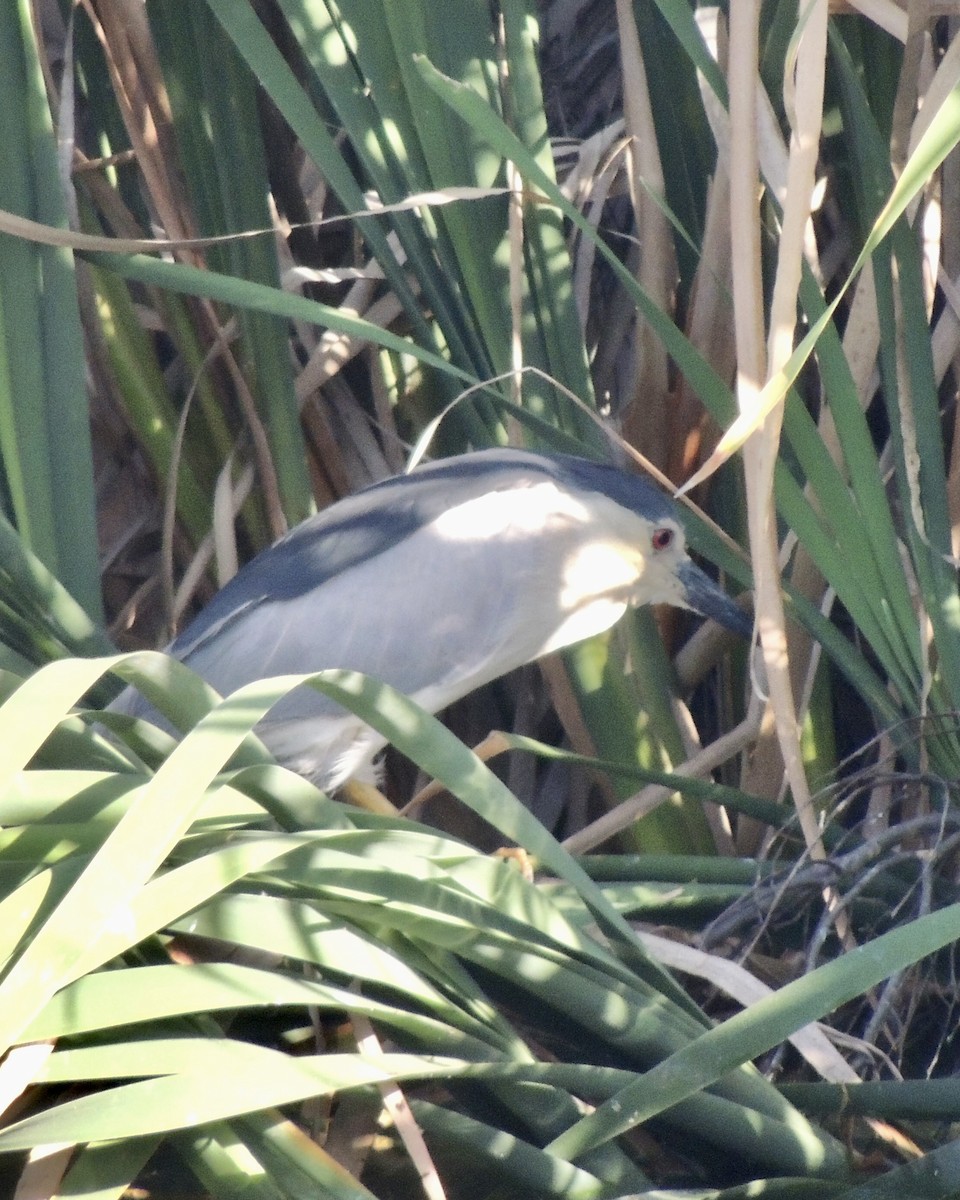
point(705, 598)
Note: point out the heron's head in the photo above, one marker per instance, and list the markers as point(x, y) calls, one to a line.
point(636, 553)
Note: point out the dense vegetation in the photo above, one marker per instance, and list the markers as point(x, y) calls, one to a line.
point(257, 253)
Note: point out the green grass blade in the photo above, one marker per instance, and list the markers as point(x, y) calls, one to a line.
point(762, 1026)
point(44, 421)
point(217, 122)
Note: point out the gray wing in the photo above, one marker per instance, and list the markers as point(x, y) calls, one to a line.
point(368, 585)
point(433, 620)
point(357, 530)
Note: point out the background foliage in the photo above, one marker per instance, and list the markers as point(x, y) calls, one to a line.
point(255, 255)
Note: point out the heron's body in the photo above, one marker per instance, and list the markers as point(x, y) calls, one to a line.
point(436, 583)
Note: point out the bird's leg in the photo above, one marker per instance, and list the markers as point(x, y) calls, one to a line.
point(525, 862)
point(369, 798)
point(493, 744)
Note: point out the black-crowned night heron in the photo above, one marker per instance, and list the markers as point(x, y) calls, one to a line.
point(438, 582)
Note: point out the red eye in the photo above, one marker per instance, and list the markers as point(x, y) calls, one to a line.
point(662, 538)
